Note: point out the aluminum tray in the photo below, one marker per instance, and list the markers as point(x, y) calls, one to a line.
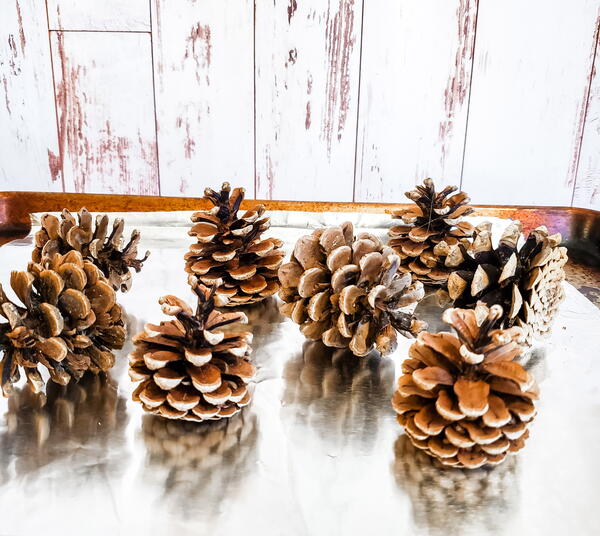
point(317, 452)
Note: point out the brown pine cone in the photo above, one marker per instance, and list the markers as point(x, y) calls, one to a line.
point(462, 398)
point(526, 281)
point(106, 252)
point(68, 322)
point(427, 242)
point(230, 248)
point(188, 368)
point(346, 291)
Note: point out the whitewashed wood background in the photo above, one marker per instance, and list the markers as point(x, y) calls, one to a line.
point(303, 99)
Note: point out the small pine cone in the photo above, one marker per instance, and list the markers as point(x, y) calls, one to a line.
point(462, 398)
point(106, 252)
point(230, 248)
point(428, 241)
point(188, 368)
point(525, 281)
point(68, 322)
point(347, 291)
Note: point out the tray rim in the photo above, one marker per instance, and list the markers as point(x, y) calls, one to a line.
point(16, 207)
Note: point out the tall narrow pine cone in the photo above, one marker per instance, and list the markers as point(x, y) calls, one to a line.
point(230, 248)
point(526, 281)
point(190, 369)
point(68, 322)
point(428, 241)
point(93, 242)
point(462, 398)
point(347, 291)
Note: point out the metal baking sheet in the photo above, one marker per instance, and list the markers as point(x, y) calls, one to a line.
point(318, 451)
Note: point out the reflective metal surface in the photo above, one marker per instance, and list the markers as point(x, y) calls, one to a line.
point(317, 452)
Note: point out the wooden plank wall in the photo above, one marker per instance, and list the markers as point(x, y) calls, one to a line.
point(335, 100)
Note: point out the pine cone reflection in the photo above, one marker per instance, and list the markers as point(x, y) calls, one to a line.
point(445, 501)
point(339, 395)
point(197, 462)
point(82, 417)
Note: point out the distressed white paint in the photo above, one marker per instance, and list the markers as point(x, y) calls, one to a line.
point(587, 187)
point(530, 127)
point(415, 75)
point(307, 73)
point(27, 115)
point(530, 79)
point(203, 64)
point(104, 15)
point(105, 105)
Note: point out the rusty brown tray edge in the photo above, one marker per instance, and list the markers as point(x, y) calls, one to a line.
point(575, 224)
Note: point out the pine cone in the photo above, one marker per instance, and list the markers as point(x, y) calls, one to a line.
point(188, 370)
point(427, 243)
point(107, 253)
point(347, 291)
point(230, 248)
point(463, 398)
point(525, 281)
point(69, 322)
point(448, 501)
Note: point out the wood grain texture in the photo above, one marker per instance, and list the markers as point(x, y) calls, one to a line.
point(415, 76)
point(587, 185)
point(104, 15)
point(529, 88)
point(107, 138)
point(27, 114)
point(203, 62)
point(307, 73)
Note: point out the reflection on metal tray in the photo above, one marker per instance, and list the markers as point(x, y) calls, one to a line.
point(317, 452)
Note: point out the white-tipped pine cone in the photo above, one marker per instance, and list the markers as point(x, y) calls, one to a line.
point(188, 367)
point(229, 248)
point(463, 398)
point(431, 231)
